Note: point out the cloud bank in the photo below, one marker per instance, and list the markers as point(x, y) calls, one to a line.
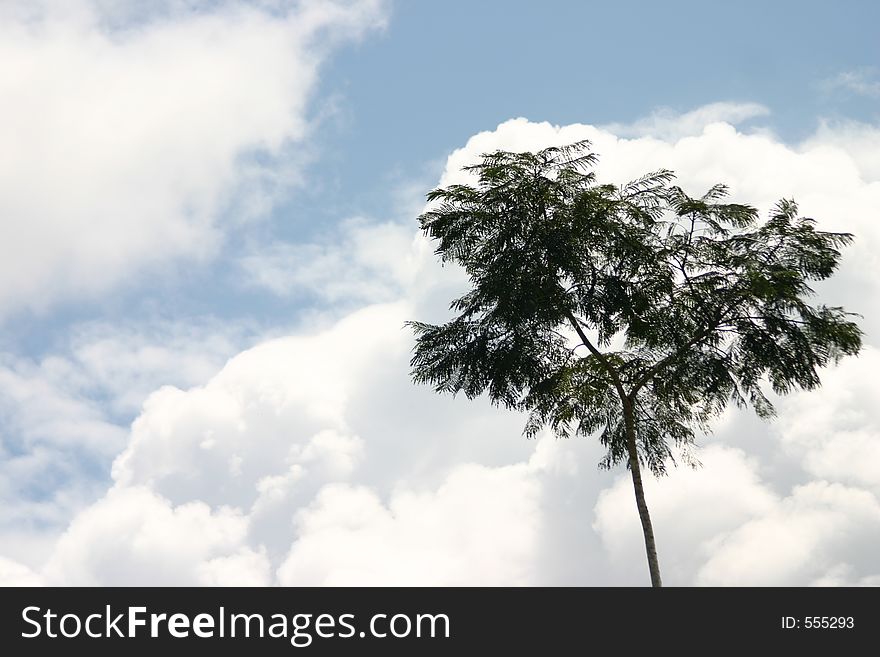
point(311, 459)
point(128, 130)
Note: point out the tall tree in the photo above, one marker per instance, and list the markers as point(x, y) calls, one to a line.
point(634, 312)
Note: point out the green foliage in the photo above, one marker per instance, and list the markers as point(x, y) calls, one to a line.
point(591, 299)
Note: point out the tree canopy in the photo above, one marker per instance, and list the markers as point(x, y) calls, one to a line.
point(686, 303)
point(634, 312)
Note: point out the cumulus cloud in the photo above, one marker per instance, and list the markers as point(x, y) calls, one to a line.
point(284, 420)
point(124, 362)
point(311, 459)
point(128, 130)
point(689, 509)
point(723, 525)
point(64, 417)
point(835, 431)
point(479, 527)
point(77, 396)
point(351, 265)
point(859, 141)
point(820, 531)
point(667, 124)
point(133, 535)
point(216, 442)
point(13, 573)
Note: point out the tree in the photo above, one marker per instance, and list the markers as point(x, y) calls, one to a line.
point(636, 313)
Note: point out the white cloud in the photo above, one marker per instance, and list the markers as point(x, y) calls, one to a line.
point(480, 527)
point(352, 265)
point(313, 456)
point(40, 411)
point(15, 574)
point(132, 535)
point(859, 141)
point(862, 82)
point(670, 125)
point(835, 430)
point(281, 421)
point(77, 397)
point(126, 132)
point(723, 525)
point(257, 415)
point(819, 531)
point(64, 417)
point(689, 508)
point(126, 362)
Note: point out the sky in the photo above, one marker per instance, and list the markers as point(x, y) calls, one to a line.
point(210, 247)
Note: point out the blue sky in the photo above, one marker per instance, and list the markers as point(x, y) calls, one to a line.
point(445, 70)
point(389, 108)
point(218, 175)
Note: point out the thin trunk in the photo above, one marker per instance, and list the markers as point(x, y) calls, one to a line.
point(630, 429)
point(644, 516)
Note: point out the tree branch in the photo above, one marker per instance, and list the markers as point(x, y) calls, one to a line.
point(602, 358)
point(671, 358)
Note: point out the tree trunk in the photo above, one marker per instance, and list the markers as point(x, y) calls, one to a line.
point(644, 516)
